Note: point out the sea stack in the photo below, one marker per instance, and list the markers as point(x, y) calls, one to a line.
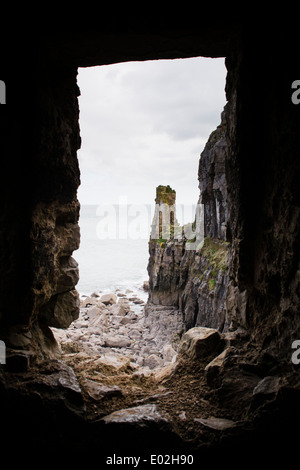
point(164, 219)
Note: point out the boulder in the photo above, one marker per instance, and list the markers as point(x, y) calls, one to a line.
point(269, 385)
point(215, 368)
point(153, 361)
point(88, 301)
point(117, 342)
point(142, 427)
point(99, 321)
point(98, 391)
point(146, 286)
point(95, 310)
point(57, 383)
point(111, 361)
point(108, 299)
point(137, 301)
point(120, 308)
point(135, 333)
point(61, 310)
point(126, 320)
point(140, 416)
point(218, 424)
point(200, 342)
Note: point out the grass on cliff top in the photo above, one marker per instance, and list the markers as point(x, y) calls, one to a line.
point(165, 189)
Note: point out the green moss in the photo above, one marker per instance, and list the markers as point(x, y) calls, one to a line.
point(165, 195)
point(160, 241)
point(214, 273)
point(215, 252)
point(164, 189)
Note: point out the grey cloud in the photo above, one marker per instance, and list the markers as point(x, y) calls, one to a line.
point(181, 94)
point(142, 123)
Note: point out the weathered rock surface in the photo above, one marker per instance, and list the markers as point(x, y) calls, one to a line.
point(123, 306)
point(108, 299)
point(56, 382)
point(219, 424)
point(188, 274)
point(98, 391)
point(191, 280)
point(200, 342)
point(269, 385)
point(55, 234)
point(215, 368)
point(61, 310)
point(212, 182)
point(139, 416)
point(143, 426)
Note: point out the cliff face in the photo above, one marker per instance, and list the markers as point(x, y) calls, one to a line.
point(187, 271)
point(212, 182)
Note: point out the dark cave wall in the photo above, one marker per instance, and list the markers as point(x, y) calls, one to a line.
point(263, 189)
point(16, 147)
point(54, 231)
point(39, 210)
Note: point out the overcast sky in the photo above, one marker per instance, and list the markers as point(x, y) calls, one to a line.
point(145, 123)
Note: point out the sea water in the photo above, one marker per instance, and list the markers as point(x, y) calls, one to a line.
point(113, 252)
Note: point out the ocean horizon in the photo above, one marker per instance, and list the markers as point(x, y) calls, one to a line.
point(113, 252)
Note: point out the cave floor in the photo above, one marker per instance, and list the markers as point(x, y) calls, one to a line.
point(113, 383)
point(180, 393)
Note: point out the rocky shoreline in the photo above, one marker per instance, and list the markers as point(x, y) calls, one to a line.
point(121, 328)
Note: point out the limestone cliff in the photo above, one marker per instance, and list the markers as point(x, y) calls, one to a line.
point(186, 270)
point(212, 182)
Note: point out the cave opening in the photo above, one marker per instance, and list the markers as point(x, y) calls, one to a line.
point(141, 124)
